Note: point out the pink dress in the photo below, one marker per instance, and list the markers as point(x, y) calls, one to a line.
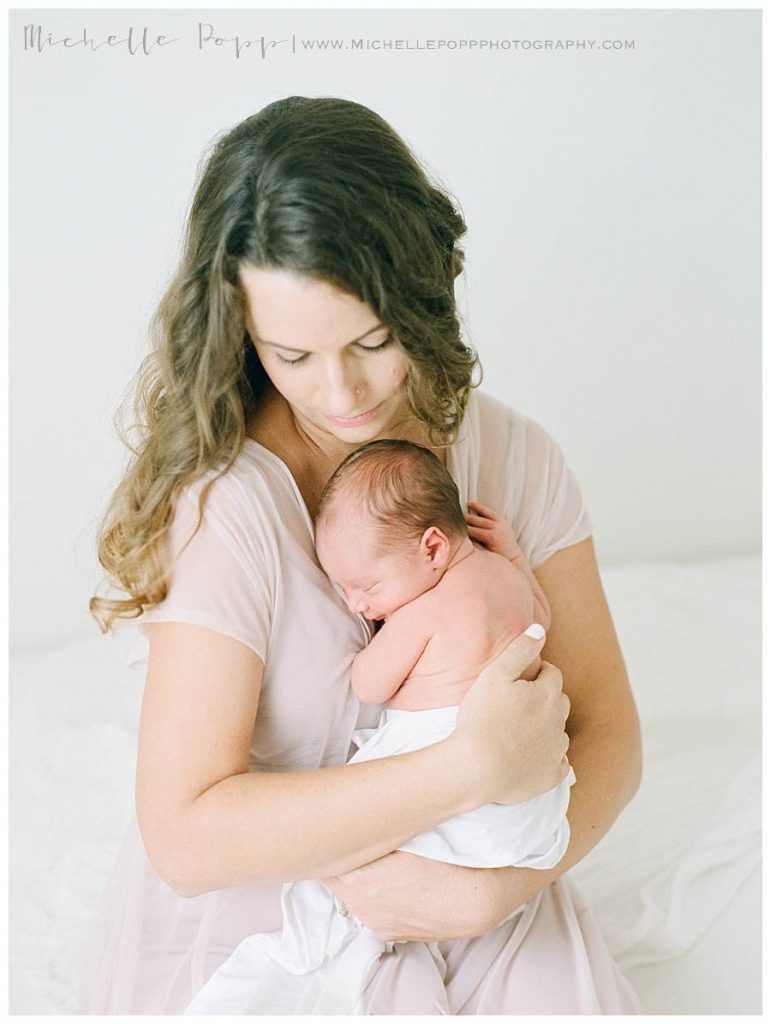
point(251, 573)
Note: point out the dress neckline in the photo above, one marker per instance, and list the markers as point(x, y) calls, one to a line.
point(279, 462)
point(283, 468)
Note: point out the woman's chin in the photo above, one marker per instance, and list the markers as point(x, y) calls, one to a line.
point(357, 435)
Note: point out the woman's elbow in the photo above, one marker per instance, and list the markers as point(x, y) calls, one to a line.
point(183, 890)
point(180, 878)
point(620, 739)
point(167, 851)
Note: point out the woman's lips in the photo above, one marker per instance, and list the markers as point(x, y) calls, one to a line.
point(354, 421)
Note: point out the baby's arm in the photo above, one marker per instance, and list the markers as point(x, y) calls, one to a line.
point(381, 668)
point(489, 529)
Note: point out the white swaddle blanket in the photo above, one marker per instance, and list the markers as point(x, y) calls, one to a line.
point(321, 960)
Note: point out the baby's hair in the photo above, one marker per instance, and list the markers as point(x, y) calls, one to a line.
point(402, 486)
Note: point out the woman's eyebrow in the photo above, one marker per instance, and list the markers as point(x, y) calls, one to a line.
point(288, 348)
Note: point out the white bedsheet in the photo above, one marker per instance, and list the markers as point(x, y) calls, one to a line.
point(675, 884)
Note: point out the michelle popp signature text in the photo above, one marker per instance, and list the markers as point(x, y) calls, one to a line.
point(144, 41)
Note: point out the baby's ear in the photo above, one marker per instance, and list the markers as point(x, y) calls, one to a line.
point(435, 546)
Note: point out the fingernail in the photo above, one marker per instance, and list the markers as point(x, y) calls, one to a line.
point(536, 631)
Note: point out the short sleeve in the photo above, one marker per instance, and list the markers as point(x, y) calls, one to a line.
point(551, 511)
point(220, 577)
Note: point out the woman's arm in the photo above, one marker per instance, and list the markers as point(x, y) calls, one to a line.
point(405, 897)
point(208, 823)
point(604, 728)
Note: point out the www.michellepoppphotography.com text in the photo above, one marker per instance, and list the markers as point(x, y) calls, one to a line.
point(147, 42)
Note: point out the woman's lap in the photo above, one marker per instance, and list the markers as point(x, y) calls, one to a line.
point(550, 959)
point(153, 950)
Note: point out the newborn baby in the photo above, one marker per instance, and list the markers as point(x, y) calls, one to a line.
point(391, 534)
point(450, 591)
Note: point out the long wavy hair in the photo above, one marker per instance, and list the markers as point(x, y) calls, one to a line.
point(325, 188)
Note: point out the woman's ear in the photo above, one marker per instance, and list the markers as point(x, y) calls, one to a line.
point(435, 548)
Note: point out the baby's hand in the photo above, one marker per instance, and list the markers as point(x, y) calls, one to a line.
point(491, 531)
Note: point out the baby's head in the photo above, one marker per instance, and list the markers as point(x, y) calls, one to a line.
point(389, 521)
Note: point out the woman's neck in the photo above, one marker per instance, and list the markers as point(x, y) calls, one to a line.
point(306, 447)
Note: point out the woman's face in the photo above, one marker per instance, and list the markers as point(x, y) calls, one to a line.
point(327, 353)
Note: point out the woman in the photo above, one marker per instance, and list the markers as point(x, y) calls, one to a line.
point(313, 311)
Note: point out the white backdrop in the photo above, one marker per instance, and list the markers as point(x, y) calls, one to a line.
point(613, 253)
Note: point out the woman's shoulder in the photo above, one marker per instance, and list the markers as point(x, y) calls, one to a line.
point(223, 555)
point(522, 472)
point(255, 479)
point(498, 423)
point(247, 504)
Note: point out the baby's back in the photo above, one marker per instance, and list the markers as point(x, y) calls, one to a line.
point(474, 611)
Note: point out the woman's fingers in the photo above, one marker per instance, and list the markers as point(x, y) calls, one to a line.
point(551, 676)
point(512, 733)
point(334, 884)
point(521, 652)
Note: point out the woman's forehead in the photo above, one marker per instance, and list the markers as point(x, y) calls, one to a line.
point(291, 311)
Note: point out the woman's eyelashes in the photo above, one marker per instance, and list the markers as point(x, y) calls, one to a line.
point(364, 348)
point(378, 347)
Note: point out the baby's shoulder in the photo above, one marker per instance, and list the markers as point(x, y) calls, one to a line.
point(444, 599)
point(421, 614)
point(480, 579)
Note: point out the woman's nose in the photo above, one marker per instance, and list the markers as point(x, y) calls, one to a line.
point(343, 388)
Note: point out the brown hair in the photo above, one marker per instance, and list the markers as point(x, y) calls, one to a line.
point(323, 187)
point(402, 486)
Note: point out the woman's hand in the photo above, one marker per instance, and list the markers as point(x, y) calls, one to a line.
point(510, 732)
point(404, 898)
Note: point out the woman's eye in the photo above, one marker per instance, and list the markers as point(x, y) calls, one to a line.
point(302, 358)
point(292, 362)
point(377, 348)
